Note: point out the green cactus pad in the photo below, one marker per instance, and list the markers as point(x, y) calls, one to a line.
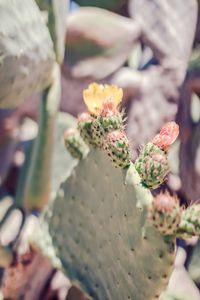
point(26, 51)
point(165, 213)
point(152, 165)
point(97, 227)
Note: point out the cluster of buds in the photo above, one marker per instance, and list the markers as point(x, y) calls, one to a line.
point(102, 126)
point(166, 214)
point(152, 163)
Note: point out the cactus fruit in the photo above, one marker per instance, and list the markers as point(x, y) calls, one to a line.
point(152, 165)
point(86, 127)
point(26, 52)
point(170, 218)
point(165, 213)
point(190, 222)
point(74, 143)
point(110, 118)
point(117, 147)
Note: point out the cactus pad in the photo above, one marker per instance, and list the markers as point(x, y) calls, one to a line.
point(98, 229)
point(26, 51)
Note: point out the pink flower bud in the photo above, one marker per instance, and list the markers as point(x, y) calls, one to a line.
point(167, 136)
point(165, 203)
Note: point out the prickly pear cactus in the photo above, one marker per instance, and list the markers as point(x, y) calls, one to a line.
point(99, 220)
point(26, 51)
point(98, 228)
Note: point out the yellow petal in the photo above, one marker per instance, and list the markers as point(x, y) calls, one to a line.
point(114, 93)
point(92, 98)
point(97, 94)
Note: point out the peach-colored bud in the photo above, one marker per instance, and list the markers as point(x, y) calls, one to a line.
point(165, 203)
point(167, 136)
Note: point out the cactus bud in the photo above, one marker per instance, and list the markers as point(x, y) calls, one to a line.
point(152, 166)
point(110, 117)
point(85, 123)
point(117, 147)
point(167, 136)
point(190, 222)
point(165, 213)
point(74, 143)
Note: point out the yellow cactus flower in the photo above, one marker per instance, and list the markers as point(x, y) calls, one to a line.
point(97, 94)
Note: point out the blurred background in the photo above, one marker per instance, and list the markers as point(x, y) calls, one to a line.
point(152, 50)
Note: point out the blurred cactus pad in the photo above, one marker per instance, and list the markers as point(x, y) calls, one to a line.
point(26, 52)
point(100, 222)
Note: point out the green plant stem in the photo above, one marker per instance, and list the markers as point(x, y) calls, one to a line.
point(35, 190)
